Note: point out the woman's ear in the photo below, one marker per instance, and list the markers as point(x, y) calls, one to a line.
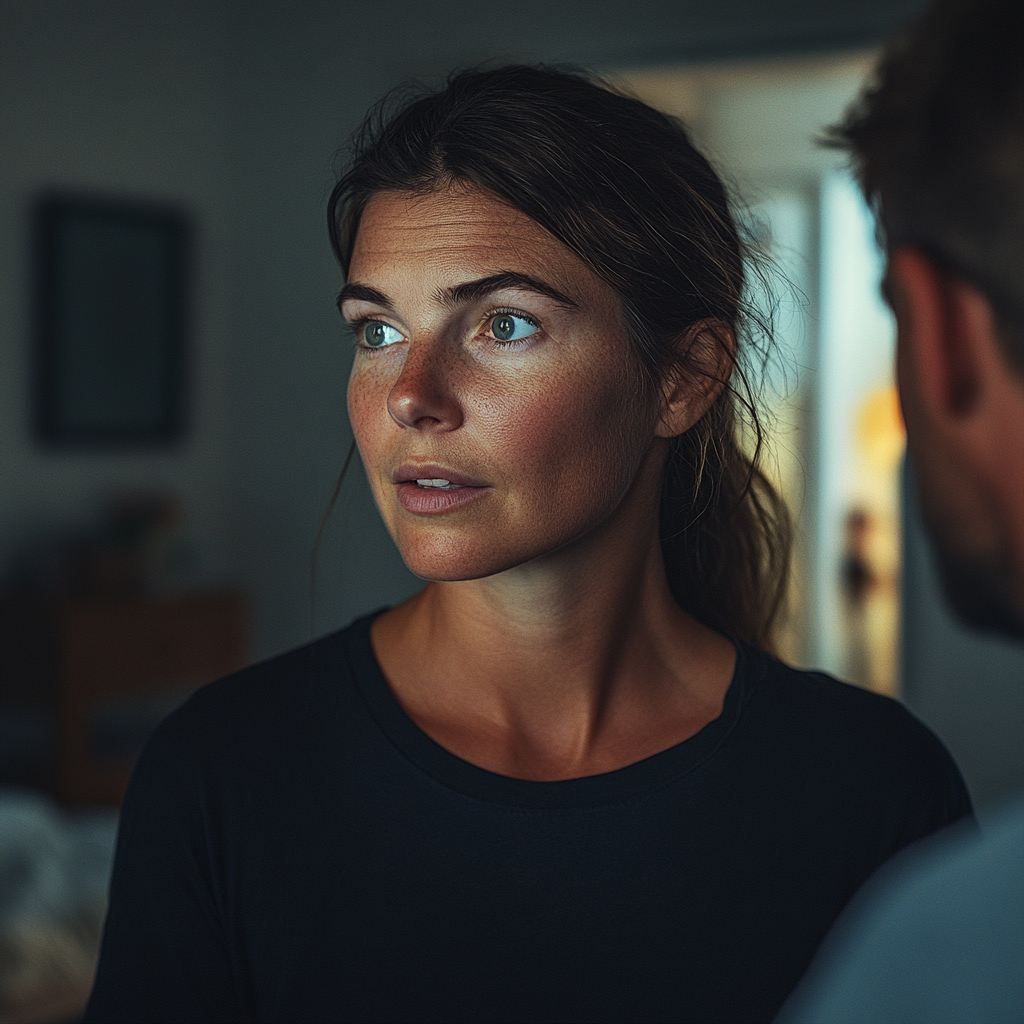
point(705, 361)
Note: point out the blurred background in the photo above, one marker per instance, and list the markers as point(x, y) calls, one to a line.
point(163, 475)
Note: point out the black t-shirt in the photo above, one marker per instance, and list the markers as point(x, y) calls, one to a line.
point(294, 848)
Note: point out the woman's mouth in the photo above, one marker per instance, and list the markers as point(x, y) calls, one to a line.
point(432, 491)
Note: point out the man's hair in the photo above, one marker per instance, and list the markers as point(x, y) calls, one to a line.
point(938, 142)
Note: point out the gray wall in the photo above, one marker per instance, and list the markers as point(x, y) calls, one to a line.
point(123, 100)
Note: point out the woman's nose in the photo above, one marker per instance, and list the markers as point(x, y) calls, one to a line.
point(424, 397)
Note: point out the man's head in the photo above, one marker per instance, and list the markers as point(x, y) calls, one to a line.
point(938, 141)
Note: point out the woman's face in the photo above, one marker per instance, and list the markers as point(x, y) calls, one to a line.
point(493, 395)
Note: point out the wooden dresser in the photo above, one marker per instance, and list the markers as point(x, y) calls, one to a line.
point(100, 674)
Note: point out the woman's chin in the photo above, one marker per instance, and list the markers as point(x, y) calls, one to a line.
point(445, 561)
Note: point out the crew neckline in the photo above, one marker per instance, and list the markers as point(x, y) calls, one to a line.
point(629, 782)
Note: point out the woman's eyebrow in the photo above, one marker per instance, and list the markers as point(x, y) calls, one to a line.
point(366, 293)
point(470, 291)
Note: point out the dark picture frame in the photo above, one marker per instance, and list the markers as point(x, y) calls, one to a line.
point(110, 301)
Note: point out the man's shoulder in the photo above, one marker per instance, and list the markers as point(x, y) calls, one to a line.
point(939, 936)
point(962, 887)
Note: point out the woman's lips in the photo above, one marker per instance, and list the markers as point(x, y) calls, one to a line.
point(433, 501)
point(410, 472)
point(430, 489)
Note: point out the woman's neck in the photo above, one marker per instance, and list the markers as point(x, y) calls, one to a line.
point(573, 664)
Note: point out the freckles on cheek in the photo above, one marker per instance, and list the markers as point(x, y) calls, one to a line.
point(368, 416)
point(367, 407)
point(553, 435)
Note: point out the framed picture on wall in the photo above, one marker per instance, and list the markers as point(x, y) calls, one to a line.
point(111, 292)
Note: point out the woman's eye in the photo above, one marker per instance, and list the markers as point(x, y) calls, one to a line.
point(377, 334)
point(506, 327)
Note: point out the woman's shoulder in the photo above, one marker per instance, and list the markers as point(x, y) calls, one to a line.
point(846, 747)
point(817, 711)
point(802, 691)
point(282, 702)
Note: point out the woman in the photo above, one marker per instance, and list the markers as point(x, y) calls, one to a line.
point(564, 782)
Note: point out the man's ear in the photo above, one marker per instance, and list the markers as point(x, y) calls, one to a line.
point(706, 359)
point(946, 335)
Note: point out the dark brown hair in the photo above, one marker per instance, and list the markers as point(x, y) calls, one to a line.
point(938, 142)
point(621, 185)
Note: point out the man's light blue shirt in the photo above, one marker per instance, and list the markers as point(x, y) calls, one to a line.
point(939, 938)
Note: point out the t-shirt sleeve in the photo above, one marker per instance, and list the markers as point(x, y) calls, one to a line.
point(893, 773)
point(939, 794)
point(165, 955)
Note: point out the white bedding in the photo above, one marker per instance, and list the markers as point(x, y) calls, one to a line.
point(54, 873)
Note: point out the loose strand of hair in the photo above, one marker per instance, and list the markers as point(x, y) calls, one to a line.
point(318, 542)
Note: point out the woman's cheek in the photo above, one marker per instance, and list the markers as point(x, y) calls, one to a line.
point(552, 437)
point(367, 407)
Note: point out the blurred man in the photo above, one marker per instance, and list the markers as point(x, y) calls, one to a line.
point(939, 145)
